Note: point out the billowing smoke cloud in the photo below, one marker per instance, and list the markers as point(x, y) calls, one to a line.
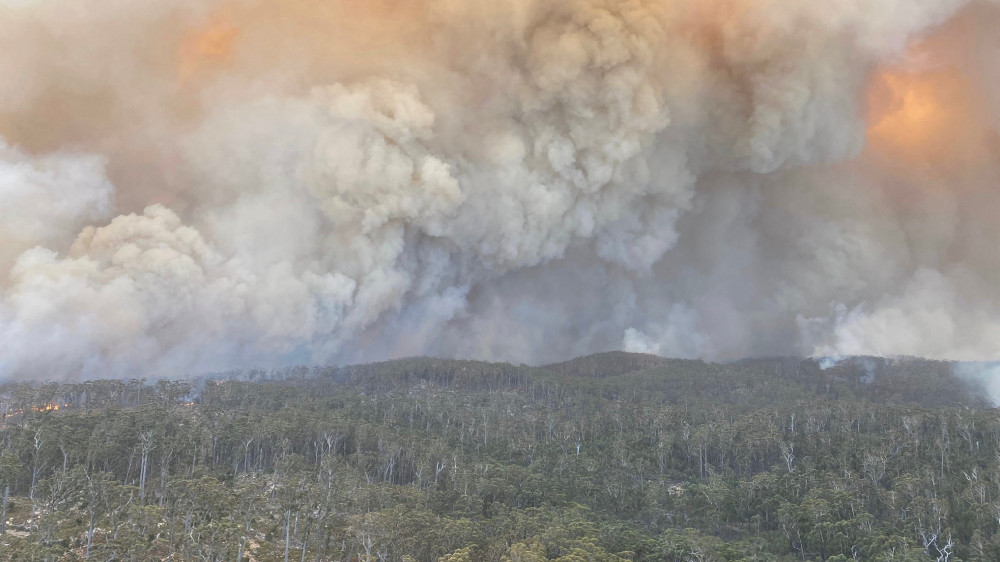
point(351, 180)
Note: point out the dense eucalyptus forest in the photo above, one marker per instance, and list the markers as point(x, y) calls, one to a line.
point(604, 458)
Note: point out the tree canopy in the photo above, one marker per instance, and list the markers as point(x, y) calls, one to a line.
point(605, 458)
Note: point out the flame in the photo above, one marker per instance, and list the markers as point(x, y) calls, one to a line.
point(206, 47)
point(48, 407)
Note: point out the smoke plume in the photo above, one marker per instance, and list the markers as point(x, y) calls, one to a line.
point(191, 185)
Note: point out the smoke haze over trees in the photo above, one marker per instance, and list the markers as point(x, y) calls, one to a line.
point(194, 185)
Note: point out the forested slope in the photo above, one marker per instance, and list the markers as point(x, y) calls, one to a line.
point(603, 458)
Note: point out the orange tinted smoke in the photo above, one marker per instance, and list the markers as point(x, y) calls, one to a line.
point(206, 47)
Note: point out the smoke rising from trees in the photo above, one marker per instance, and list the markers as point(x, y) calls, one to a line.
point(196, 185)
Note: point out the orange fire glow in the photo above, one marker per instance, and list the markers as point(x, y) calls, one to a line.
point(912, 114)
point(48, 407)
point(923, 110)
point(206, 47)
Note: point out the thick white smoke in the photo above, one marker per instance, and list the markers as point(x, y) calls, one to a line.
point(525, 180)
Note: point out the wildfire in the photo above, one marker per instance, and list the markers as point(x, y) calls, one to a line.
point(48, 407)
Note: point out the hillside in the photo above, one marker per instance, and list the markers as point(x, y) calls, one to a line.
point(608, 457)
point(610, 364)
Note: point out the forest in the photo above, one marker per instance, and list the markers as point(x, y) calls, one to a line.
point(604, 458)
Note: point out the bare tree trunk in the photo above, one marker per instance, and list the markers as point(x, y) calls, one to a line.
point(142, 478)
point(146, 444)
point(90, 537)
point(170, 541)
point(244, 540)
point(288, 536)
point(3, 510)
point(35, 470)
